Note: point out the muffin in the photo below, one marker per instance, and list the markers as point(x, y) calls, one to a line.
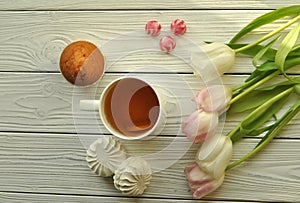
point(81, 63)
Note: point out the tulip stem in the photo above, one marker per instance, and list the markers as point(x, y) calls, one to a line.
point(271, 133)
point(245, 84)
point(232, 132)
point(271, 34)
point(261, 108)
point(242, 94)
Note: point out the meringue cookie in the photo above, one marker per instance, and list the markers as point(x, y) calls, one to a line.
point(105, 155)
point(133, 176)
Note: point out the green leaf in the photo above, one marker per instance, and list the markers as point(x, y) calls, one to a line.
point(292, 61)
point(269, 55)
point(286, 84)
point(252, 51)
point(293, 111)
point(263, 51)
point(269, 67)
point(257, 75)
point(237, 136)
point(296, 48)
point(259, 118)
point(257, 132)
point(297, 89)
point(285, 47)
point(295, 53)
point(267, 18)
point(258, 97)
point(240, 134)
point(290, 113)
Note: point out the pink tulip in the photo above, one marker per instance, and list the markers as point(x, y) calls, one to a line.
point(199, 125)
point(200, 182)
point(213, 98)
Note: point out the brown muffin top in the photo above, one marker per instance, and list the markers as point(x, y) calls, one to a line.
point(82, 63)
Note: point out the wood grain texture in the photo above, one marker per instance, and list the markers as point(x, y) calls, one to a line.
point(141, 4)
point(55, 164)
point(46, 103)
point(43, 139)
point(34, 40)
point(46, 198)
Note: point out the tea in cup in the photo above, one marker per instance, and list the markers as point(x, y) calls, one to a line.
point(133, 107)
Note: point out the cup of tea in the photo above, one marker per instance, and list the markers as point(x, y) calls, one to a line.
point(133, 107)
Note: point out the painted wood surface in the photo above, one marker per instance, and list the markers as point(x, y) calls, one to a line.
point(142, 4)
point(46, 198)
point(54, 164)
point(45, 103)
point(42, 158)
point(33, 40)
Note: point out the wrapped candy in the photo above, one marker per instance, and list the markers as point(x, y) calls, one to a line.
point(167, 44)
point(178, 27)
point(153, 28)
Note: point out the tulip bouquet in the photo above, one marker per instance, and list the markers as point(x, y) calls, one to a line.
point(271, 55)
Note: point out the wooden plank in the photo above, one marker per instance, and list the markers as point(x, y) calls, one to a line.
point(47, 103)
point(46, 198)
point(55, 164)
point(141, 4)
point(34, 40)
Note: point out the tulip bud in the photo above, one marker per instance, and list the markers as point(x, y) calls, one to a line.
point(214, 155)
point(200, 182)
point(221, 59)
point(199, 124)
point(213, 98)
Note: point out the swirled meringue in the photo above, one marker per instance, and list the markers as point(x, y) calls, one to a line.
point(133, 176)
point(105, 155)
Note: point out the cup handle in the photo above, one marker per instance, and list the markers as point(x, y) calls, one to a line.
point(169, 102)
point(89, 105)
point(171, 107)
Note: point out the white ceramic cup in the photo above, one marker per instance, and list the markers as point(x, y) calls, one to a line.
point(133, 107)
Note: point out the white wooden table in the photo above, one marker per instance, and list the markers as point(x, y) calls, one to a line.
point(41, 157)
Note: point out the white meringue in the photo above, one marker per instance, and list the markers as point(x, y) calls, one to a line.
point(133, 176)
point(105, 155)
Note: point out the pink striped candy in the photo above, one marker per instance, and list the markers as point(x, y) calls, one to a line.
point(153, 28)
point(167, 43)
point(178, 27)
